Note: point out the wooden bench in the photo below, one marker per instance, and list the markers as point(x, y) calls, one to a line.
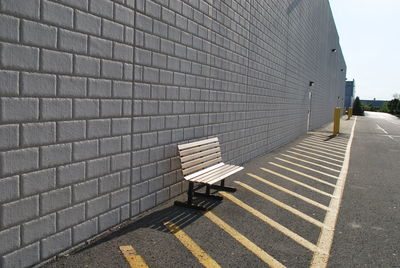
point(201, 163)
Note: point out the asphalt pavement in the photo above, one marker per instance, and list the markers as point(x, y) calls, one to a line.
point(283, 213)
point(368, 229)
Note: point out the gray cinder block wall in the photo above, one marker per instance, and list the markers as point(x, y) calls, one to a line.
point(96, 94)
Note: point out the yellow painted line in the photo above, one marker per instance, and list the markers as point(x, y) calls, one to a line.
point(281, 205)
point(195, 249)
point(331, 144)
point(322, 145)
point(297, 182)
point(303, 174)
point(342, 147)
point(292, 235)
point(316, 159)
point(321, 257)
point(326, 145)
point(320, 148)
point(319, 155)
point(299, 196)
point(308, 168)
point(329, 136)
point(341, 144)
point(320, 152)
point(336, 139)
point(329, 139)
point(312, 163)
point(256, 250)
point(134, 260)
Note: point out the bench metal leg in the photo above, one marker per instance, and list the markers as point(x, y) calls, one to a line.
point(208, 194)
point(190, 193)
point(189, 202)
point(223, 187)
point(208, 189)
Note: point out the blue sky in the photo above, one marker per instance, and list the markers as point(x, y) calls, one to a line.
point(369, 32)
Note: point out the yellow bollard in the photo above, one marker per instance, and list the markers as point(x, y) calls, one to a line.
point(350, 112)
point(336, 121)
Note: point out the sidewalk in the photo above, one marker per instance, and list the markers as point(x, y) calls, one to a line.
point(276, 217)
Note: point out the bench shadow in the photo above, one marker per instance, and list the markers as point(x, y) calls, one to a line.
point(330, 137)
point(180, 216)
point(334, 136)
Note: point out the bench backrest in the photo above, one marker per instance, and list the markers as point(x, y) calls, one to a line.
point(199, 155)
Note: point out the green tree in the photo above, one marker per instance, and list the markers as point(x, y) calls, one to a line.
point(357, 108)
point(384, 108)
point(393, 106)
point(398, 108)
point(368, 107)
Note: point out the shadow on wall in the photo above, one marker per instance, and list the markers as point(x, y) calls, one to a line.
point(292, 6)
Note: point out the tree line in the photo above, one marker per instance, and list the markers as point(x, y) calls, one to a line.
point(392, 106)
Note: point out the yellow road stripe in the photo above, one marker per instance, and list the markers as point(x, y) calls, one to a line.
point(312, 163)
point(308, 168)
point(259, 252)
point(316, 159)
point(134, 260)
point(329, 137)
point(336, 138)
point(336, 145)
point(195, 249)
point(282, 205)
point(342, 149)
point(320, 258)
point(330, 151)
point(292, 235)
point(331, 141)
point(305, 199)
point(303, 174)
point(322, 145)
point(319, 155)
point(319, 151)
point(297, 182)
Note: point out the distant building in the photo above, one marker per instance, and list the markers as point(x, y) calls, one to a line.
point(374, 102)
point(349, 93)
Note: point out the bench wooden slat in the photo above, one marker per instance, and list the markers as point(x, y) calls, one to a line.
point(201, 166)
point(201, 160)
point(210, 173)
point(215, 175)
point(221, 177)
point(190, 176)
point(198, 149)
point(196, 143)
point(198, 155)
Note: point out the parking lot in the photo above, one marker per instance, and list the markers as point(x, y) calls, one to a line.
point(283, 214)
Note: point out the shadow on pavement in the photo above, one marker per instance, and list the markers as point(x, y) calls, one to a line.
point(180, 216)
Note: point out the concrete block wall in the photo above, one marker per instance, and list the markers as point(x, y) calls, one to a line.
point(96, 94)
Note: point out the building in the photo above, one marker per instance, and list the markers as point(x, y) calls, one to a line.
point(96, 95)
point(374, 102)
point(349, 94)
